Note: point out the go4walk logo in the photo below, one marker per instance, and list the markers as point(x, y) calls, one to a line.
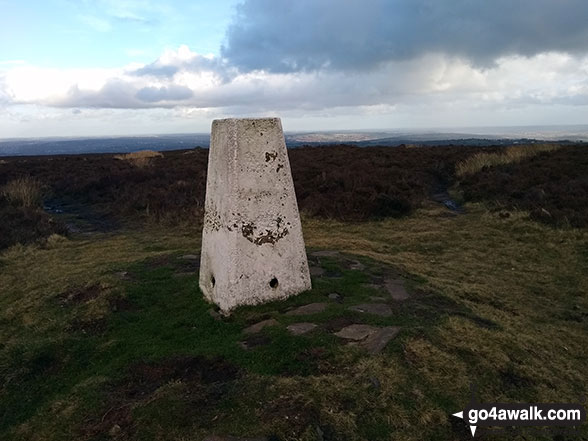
point(545, 415)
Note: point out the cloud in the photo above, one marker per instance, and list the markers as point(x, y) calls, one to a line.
point(169, 93)
point(311, 35)
point(174, 61)
point(182, 78)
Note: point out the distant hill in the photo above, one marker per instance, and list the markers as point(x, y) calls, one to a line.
point(126, 144)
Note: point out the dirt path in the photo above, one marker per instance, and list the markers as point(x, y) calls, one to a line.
point(79, 218)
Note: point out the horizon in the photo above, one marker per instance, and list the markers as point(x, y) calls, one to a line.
point(121, 67)
point(464, 130)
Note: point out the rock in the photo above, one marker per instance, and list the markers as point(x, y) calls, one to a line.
point(257, 327)
point(311, 308)
point(356, 332)
point(254, 341)
point(370, 338)
point(190, 257)
point(301, 328)
point(316, 271)
point(123, 275)
point(377, 341)
point(325, 253)
point(356, 265)
point(377, 299)
point(114, 430)
point(381, 309)
point(395, 288)
point(336, 297)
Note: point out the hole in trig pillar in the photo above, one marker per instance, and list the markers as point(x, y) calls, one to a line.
point(212, 281)
point(274, 283)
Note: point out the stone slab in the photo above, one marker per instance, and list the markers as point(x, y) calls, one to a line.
point(301, 328)
point(395, 287)
point(311, 308)
point(380, 309)
point(316, 271)
point(377, 341)
point(356, 332)
point(356, 265)
point(336, 297)
point(257, 327)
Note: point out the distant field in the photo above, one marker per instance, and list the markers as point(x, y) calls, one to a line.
point(104, 334)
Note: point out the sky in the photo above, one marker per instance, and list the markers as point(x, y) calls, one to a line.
point(124, 67)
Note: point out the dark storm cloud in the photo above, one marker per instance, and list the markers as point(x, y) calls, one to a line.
point(307, 35)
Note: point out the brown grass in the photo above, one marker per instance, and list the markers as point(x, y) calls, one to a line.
point(141, 158)
point(512, 154)
point(25, 192)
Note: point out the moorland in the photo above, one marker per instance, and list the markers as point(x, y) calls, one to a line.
point(104, 333)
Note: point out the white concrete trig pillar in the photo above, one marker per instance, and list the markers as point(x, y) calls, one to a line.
point(252, 245)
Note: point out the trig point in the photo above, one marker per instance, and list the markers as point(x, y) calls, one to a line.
point(252, 245)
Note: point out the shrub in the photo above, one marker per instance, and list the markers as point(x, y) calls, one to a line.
point(139, 159)
point(24, 192)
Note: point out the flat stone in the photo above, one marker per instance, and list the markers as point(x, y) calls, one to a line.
point(356, 332)
point(377, 299)
point(356, 265)
point(124, 275)
point(325, 253)
point(311, 308)
point(337, 323)
point(301, 328)
point(381, 309)
point(395, 287)
point(336, 297)
point(316, 271)
point(377, 341)
point(190, 257)
point(257, 327)
point(255, 340)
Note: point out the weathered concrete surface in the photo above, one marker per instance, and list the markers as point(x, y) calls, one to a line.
point(252, 245)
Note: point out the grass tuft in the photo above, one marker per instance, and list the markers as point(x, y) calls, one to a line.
point(479, 161)
point(140, 159)
point(24, 192)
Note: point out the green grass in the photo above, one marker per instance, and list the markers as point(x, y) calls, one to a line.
point(498, 302)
